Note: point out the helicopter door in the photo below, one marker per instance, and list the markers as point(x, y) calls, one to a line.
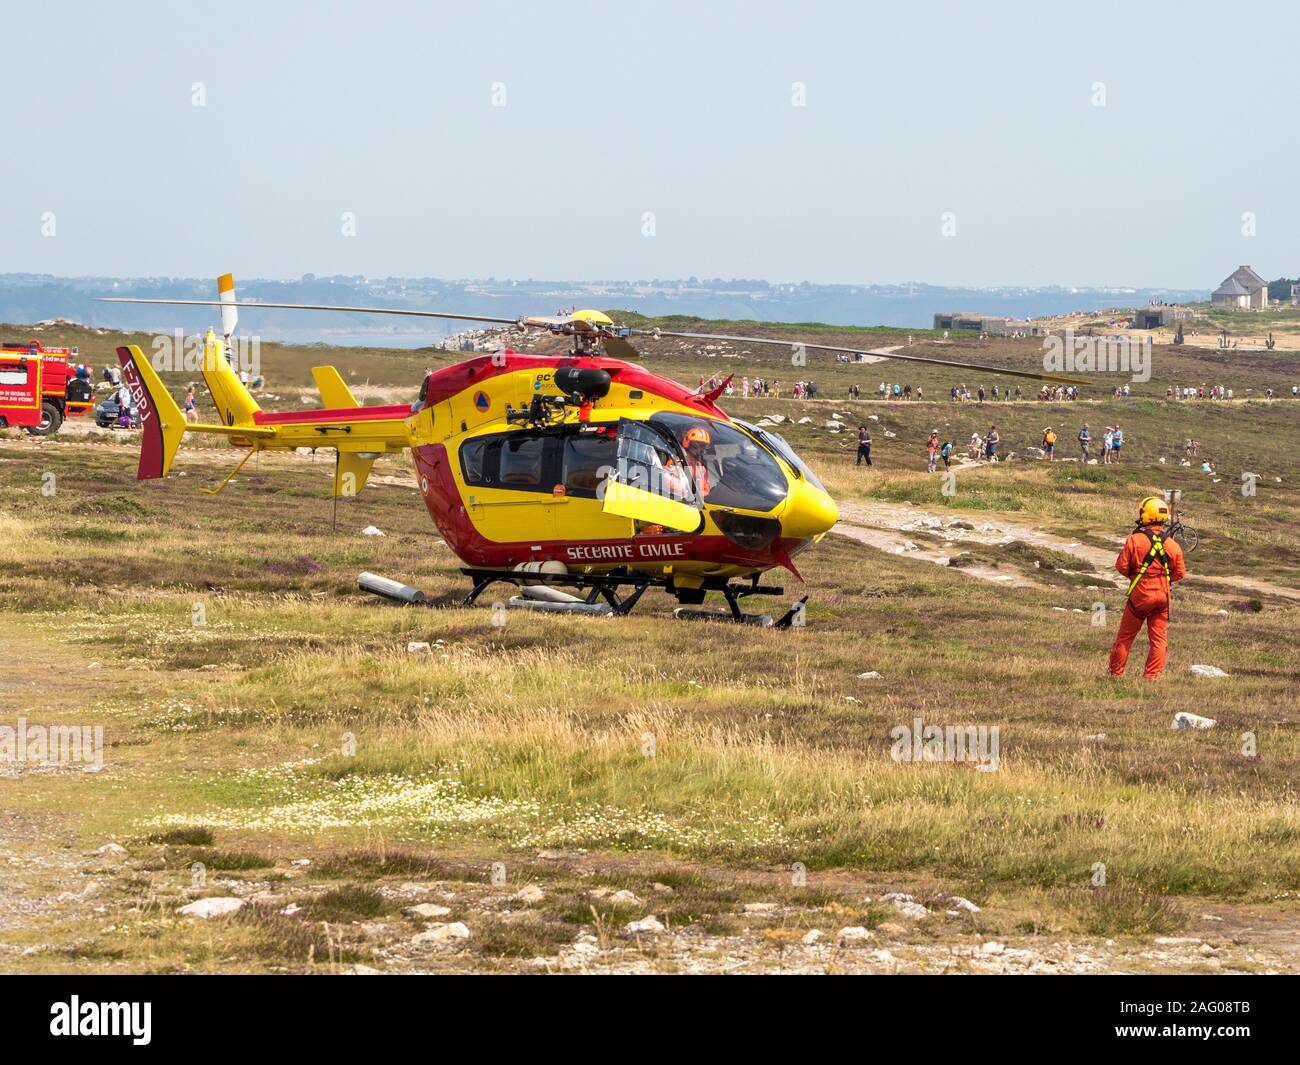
point(651, 483)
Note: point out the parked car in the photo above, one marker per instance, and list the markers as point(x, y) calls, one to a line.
point(108, 412)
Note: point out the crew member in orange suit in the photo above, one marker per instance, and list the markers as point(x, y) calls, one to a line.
point(1151, 563)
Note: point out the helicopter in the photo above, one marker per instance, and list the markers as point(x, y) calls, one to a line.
point(583, 470)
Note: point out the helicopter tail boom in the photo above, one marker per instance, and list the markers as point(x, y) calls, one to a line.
point(161, 422)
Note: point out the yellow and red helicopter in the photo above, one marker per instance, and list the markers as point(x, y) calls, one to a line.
point(579, 470)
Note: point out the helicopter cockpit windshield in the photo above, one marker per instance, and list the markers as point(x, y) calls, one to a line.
point(779, 446)
point(729, 468)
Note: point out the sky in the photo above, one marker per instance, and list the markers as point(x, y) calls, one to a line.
point(1138, 143)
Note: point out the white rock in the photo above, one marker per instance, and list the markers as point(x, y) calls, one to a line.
point(650, 925)
point(762, 907)
point(854, 934)
point(530, 893)
point(912, 910)
point(1208, 671)
point(625, 898)
point(890, 435)
point(290, 910)
point(418, 647)
point(874, 417)
point(805, 421)
point(661, 889)
point(883, 955)
point(870, 674)
point(114, 851)
point(992, 947)
point(815, 935)
point(964, 904)
point(1096, 737)
point(212, 907)
point(1184, 720)
point(370, 530)
point(586, 943)
point(440, 935)
point(427, 910)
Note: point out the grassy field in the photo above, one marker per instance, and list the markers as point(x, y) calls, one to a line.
point(546, 782)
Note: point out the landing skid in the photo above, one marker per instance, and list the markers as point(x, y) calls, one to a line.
point(608, 586)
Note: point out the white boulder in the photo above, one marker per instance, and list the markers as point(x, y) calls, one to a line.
point(217, 906)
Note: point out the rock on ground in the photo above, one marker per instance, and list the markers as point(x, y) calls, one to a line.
point(440, 935)
point(217, 906)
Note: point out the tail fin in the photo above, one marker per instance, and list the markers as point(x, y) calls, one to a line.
point(353, 467)
point(351, 472)
point(334, 392)
point(161, 421)
point(234, 402)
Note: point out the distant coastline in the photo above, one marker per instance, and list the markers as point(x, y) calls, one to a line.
point(35, 297)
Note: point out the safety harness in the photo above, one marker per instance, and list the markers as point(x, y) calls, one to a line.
point(1156, 551)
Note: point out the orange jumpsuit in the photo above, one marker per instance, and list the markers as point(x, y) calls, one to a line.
point(1148, 602)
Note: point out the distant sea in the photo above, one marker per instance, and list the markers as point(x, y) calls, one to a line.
point(26, 298)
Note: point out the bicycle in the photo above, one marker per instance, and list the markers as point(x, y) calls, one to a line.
point(1187, 537)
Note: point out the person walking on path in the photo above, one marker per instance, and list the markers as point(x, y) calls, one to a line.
point(864, 446)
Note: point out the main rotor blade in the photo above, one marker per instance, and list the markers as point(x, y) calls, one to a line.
point(313, 307)
point(854, 351)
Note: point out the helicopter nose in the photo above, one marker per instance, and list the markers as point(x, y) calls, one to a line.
point(810, 511)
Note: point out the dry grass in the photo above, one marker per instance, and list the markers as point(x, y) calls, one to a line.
point(225, 738)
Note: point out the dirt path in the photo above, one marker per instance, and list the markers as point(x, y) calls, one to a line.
point(885, 526)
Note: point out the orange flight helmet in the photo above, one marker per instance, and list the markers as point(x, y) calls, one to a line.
point(697, 434)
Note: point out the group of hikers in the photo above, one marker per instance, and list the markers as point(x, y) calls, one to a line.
point(986, 448)
point(1199, 392)
point(1112, 444)
point(759, 386)
point(897, 391)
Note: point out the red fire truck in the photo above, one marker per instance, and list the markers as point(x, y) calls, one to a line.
point(62, 393)
point(20, 391)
